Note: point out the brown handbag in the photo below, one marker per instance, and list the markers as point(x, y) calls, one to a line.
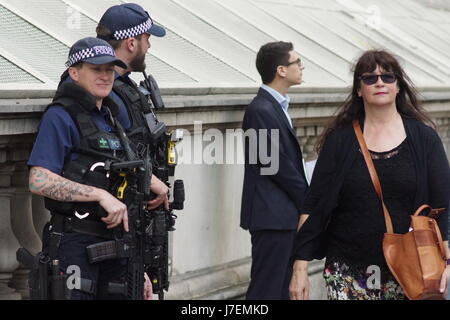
point(417, 259)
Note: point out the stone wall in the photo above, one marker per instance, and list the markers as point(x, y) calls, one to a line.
point(209, 251)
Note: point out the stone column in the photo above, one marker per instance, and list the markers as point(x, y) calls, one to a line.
point(21, 212)
point(23, 226)
point(8, 241)
point(40, 215)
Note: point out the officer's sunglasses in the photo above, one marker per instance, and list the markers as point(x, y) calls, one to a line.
point(372, 78)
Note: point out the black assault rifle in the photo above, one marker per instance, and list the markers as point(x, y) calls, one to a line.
point(161, 146)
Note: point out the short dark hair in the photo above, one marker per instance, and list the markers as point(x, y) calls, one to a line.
point(78, 65)
point(104, 33)
point(270, 56)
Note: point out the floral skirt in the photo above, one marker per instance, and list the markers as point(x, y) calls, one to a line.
point(345, 283)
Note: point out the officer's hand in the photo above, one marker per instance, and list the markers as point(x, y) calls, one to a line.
point(161, 190)
point(148, 290)
point(116, 210)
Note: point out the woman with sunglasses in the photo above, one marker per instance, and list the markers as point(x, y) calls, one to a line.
point(342, 218)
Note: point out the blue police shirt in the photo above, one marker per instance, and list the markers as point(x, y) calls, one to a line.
point(58, 135)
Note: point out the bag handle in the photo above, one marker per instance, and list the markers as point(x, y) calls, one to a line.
point(435, 226)
point(421, 208)
point(373, 174)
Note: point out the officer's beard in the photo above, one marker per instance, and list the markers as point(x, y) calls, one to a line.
point(138, 63)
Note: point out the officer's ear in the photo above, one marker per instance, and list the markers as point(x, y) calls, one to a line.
point(74, 72)
point(131, 44)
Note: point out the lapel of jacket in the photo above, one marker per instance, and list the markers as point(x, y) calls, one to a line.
point(278, 111)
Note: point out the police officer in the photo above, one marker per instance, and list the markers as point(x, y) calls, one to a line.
point(79, 132)
point(128, 27)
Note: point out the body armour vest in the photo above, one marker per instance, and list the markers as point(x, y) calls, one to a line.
point(95, 148)
point(142, 118)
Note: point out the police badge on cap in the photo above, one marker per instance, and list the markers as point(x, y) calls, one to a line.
point(94, 51)
point(129, 20)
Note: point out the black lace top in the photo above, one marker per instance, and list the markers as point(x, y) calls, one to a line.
point(357, 225)
point(420, 164)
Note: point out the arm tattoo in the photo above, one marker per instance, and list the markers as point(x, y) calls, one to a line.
point(57, 188)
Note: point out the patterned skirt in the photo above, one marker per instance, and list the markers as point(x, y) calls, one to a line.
point(345, 283)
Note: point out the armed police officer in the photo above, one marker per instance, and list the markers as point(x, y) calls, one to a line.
point(127, 28)
point(79, 133)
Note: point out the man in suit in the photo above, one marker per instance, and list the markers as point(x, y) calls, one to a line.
point(272, 199)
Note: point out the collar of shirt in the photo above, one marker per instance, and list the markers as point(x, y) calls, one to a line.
point(117, 75)
point(282, 100)
point(103, 118)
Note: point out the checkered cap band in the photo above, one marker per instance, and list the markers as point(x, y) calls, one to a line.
point(132, 32)
point(80, 55)
point(89, 53)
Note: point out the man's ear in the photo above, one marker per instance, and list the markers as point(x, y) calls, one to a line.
point(73, 73)
point(281, 71)
point(130, 44)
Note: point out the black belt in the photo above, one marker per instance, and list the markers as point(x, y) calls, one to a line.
point(89, 227)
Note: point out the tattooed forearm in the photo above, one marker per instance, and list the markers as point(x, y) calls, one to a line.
point(65, 190)
point(51, 185)
point(37, 178)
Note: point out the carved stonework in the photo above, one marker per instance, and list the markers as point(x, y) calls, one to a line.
point(8, 241)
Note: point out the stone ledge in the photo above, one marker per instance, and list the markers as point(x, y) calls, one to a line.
point(230, 281)
point(21, 105)
point(203, 283)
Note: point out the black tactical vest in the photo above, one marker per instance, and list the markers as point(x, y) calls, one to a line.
point(95, 149)
point(139, 110)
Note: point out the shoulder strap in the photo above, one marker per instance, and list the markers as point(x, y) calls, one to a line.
point(125, 89)
point(373, 174)
point(80, 117)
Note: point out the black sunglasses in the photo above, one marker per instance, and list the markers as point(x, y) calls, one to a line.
point(298, 61)
point(372, 78)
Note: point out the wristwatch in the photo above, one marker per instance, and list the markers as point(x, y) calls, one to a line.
point(448, 262)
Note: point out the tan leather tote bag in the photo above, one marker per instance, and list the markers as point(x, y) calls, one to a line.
point(417, 259)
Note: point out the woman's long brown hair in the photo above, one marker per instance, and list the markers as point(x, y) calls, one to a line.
point(406, 101)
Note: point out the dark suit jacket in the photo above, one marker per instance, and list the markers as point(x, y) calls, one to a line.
point(272, 202)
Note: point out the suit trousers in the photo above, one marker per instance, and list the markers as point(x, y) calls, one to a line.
point(271, 269)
